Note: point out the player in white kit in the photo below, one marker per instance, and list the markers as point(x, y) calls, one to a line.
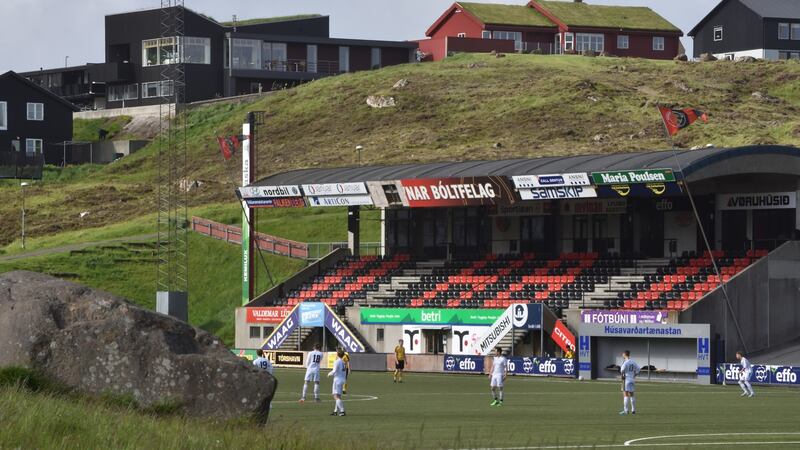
point(262, 362)
point(498, 376)
point(629, 371)
point(312, 373)
point(744, 378)
point(339, 374)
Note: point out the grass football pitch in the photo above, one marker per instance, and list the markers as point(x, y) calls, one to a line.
point(452, 411)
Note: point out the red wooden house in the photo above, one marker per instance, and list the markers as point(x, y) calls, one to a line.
point(552, 27)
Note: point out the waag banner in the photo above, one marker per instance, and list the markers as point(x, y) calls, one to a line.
point(762, 374)
point(467, 191)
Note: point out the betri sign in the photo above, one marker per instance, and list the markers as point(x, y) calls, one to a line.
point(429, 316)
point(634, 176)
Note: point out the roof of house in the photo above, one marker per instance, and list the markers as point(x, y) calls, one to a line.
point(580, 14)
point(259, 21)
point(690, 164)
point(775, 9)
point(768, 9)
point(494, 14)
point(31, 84)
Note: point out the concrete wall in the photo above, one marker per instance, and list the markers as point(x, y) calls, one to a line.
point(136, 111)
point(764, 302)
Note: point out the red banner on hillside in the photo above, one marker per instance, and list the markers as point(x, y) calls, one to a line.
point(677, 119)
point(228, 146)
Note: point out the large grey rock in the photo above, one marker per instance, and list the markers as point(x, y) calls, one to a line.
point(98, 343)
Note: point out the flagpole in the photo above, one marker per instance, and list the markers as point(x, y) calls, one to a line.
point(671, 142)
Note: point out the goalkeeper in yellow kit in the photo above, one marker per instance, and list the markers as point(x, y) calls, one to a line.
point(400, 356)
point(346, 360)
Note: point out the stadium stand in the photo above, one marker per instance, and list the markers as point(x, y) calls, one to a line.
point(571, 280)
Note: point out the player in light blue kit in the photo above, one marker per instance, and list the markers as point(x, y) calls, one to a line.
point(629, 371)
point(747, 372)
point(312, 373)
point(339, 374)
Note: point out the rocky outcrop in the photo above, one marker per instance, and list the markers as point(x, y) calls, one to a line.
point(380, 101)
point(97, 343)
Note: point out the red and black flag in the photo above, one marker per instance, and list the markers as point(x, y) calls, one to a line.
point(228, 146)
point(677, 119)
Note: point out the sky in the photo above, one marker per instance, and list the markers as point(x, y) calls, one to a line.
point(75, 28)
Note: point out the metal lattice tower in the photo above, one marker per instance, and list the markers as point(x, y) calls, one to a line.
point(171, 184)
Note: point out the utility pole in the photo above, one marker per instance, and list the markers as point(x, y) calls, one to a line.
point(22, 186)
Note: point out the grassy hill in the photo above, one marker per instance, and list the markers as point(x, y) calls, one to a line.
point(467, 107)
point(454, 110)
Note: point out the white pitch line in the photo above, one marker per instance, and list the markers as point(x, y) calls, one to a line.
point(633, 442)
point(671, 436)
point(348, 398)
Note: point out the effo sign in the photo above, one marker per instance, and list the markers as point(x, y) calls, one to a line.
point(459, 363)
point(762, 374)
point(468, 191)
point(769, 200)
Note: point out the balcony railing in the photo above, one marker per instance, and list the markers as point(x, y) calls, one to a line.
point(293, 65)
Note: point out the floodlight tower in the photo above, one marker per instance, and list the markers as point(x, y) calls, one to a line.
point(172, 263)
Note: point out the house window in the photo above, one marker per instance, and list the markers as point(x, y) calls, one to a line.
point(3, 115)
point(35, 111)
point(588, 41)
point(788, 55)
point(658, 43)
point(33, 147)
point(717, 34)
point(783, 31)
point(274, 56)
point(123, 92)
point(255, 332)
point(157, 89)
point(196, 50)
point(623, 42)
point(344, 59)
point(160, 51)
point(462, 35)
point(486, 34)
point(569, 42)
point(311, 58)
point(375, 58)
point(131, 92)
point(379, 335)
point(246, 54)
point(795, 34)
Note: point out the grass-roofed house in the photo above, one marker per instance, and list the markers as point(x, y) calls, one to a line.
point(552, 27)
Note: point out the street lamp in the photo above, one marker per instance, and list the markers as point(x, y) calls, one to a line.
point(22, 186)
point(358, 149)
point(66, 61)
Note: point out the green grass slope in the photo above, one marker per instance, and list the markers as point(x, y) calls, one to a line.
point(128, 270)
point(457, 109)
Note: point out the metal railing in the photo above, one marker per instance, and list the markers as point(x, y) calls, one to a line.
point(317, 250)
point(20, 165)
point(301, 65)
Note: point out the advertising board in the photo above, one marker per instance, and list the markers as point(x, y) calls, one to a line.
point(428, 316)
point(468, 191)
point(464, 364)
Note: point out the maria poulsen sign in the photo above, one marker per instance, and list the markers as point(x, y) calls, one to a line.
point(469, 191)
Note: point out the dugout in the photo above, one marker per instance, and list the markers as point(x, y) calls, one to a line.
point(666, 352)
